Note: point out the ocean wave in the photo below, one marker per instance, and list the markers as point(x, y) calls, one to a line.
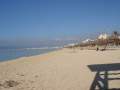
point(42, 48)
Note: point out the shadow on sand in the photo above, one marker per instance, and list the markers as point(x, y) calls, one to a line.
point(102, 77)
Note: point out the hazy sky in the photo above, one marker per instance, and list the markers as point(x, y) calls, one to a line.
point(51, 19)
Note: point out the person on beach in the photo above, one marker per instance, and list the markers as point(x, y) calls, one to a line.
point(97, 47)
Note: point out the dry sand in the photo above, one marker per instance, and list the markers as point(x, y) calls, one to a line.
point(65, 69)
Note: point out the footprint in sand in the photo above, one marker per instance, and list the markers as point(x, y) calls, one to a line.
point(20, 74)
point(9, 83)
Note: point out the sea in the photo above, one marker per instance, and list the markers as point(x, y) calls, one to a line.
point(14, 53)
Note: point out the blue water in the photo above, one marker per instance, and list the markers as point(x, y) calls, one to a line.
point(10, 54)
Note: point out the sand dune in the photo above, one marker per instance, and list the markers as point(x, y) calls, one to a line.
point(65, 69)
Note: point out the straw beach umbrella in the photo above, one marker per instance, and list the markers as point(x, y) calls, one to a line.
point(102, 40)
point(114, 38)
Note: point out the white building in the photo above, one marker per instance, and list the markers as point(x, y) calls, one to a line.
point(87, 40)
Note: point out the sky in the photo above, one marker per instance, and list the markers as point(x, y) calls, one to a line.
point(36, 20)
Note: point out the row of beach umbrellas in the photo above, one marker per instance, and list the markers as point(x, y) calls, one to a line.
point(103, 39)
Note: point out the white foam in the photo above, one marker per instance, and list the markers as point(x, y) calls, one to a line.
point(43, 48)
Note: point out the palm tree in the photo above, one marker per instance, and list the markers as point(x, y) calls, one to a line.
point(115, 38)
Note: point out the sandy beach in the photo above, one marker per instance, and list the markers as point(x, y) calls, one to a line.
point(64, 69)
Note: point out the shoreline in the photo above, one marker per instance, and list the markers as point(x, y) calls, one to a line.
point(45, 53)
